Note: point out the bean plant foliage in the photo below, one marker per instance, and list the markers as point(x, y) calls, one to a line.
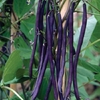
point(54, 54)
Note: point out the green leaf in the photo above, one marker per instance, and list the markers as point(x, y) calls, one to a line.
point(20, 43)
point(25, 53)
point(81, 79)
point(21, 7)
point(91, 22)
point(85, 72)
point(96, 4)
point(2, 2)
point(25, 50)
point(25, 73)
point(83, 93)
point(28, 27)
point(95, 83)
point(97, 77)
point(89, 66)
point(96, 60)
point(1, 43)
point(89, 53)
point(95, 36)
point(95, 94)
point(22, 75)
point(1, 73)
point(12, 65)
point(5, 36)
point(26, 63)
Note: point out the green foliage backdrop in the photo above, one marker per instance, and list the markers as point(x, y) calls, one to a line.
point(14, 67)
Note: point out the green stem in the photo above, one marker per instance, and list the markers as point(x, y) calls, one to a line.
point(62, 5)
point(4, 53)
point(91, 44)
point(87, 13)
point(86, 83)
point(1, 94)
point(23, 89)
point(55, 6)
point(3, 37)
point(6, 87)
point(3, 31)
point(92, 6)
point(23, 17)
point(6, 94)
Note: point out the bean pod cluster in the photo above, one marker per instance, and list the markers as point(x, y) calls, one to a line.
point(53, 37)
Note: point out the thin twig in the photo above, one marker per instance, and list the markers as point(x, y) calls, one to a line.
point(87, 13)
point(4, 53)
point(92, 6)
point(6, 94)
point(23, 89)
point(91, 44)
point(62, 5)
point(5, 87)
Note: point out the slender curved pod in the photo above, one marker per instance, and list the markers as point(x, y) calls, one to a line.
point(59, 44)
point(70, 27)
point(50, 57)
point(82, 33)
point(40, 78)
point(36, 38)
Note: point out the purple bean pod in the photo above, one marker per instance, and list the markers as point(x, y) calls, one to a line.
point(42, 58)
point(32, 57)
point(82, 33)
point(59, 44)
point(70, 27)
point(40, 78)
point(41, 37)
point(41, 27)
point(35, 39)
point(52, 19)
point(63, 54)
point(48, 89)
point(50, 56)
